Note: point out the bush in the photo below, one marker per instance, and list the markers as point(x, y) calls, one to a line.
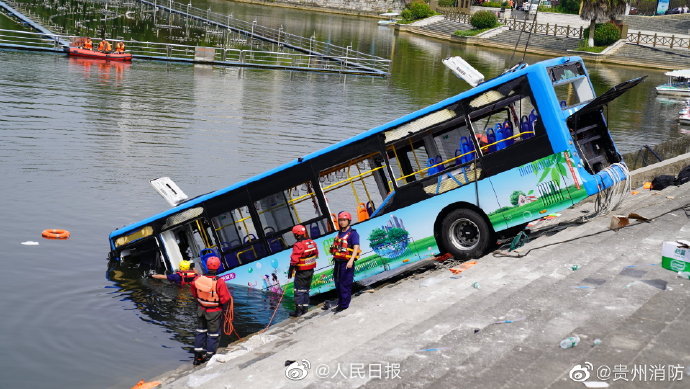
point(492, 4)
point(605, 34)
point(570, 6)
point(484, 19)
point(417, 9)
point(446, 3)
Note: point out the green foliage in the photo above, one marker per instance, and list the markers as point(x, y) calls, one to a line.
point(493, 4)
point(380, 237)
point(397, 234)
point(484, 19)
point(446, 3)
point(515, 197)
point(605, 34)
point(417, 9)
point(471, 32)
point(570, 6)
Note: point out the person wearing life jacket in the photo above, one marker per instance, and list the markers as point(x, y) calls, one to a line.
point(212, 295)
point(120, 47)
point(302, 264)
point(88, 44)
point(345, 250)
point(184, 276)
point(104, 46)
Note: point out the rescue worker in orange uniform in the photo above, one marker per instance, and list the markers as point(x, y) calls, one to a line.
point(345, 250)
point(212, 295)
point(184, 276)
point(88, 44)
point(302, 264)
point(120, 47)
point(104, 46)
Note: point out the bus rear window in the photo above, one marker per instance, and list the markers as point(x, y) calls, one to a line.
point(571, 84)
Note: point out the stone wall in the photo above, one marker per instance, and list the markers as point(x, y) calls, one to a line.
point(350, 6)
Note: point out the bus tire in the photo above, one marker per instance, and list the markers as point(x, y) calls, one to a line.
point(465, 234)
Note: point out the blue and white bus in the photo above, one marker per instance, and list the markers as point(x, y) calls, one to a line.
point(448, 178)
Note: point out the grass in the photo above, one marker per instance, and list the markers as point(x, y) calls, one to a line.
point(473, 32)
point(596, 49)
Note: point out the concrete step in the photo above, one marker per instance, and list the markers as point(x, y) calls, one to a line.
point(533, 290)
point(536, 354)
point(666, 55)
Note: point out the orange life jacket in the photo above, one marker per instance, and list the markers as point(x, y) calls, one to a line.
point(340, 249)
point(206, 293)
point(186, 277)
point(308, 259)
point(88, 45)
point(120, 47)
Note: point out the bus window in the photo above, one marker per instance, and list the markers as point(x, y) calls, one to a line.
point(449, 154)
point(571, 84)
point(504, 116)
point(239, 241)
point(358, 186)
point(279, 212)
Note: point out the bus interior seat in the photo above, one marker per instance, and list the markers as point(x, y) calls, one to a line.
point(370, 207)
point(362, 213)
point(314, 231)
point(207, 253)
point(229, 253)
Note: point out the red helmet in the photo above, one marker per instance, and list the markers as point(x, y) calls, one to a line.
point(344, 215)
point(213, 263)
point(299, 230)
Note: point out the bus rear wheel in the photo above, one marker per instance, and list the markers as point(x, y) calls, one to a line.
point(465, 234)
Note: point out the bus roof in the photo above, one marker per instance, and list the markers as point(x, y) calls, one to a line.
point(404, 119)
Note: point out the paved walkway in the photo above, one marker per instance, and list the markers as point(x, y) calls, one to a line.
point(498, 324)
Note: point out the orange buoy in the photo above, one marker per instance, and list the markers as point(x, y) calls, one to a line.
point(55, 233)
point(146, 385)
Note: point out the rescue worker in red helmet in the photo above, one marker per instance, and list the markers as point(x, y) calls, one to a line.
point(184, 276)
point(212, 295)
point(345, 250)
point(302, 264)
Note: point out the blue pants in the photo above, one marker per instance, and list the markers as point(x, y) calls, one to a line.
point(207, 331)
point(343, 278)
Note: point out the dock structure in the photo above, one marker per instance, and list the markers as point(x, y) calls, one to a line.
point(306, 54)
point(27, 21)
point(254, 31)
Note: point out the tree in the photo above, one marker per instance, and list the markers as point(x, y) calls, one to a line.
point(594, 10)
point(515, 197)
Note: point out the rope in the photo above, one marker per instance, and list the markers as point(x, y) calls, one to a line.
point(274, 313)
point(228, 326)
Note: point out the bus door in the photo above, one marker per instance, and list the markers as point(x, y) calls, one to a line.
point(187, 236)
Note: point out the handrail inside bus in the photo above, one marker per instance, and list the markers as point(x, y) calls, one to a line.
point(462, 155)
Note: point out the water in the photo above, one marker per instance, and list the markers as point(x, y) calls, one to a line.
point(81, 139)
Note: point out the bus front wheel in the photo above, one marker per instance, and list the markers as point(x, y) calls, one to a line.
point(465, 233)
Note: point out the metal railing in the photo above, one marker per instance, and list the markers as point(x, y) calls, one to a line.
point(544, 29)
point(211, 55)
point(639, 38)
point(255, 31)
point(658, 40)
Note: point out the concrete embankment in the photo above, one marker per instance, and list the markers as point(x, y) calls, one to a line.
point(498, 323)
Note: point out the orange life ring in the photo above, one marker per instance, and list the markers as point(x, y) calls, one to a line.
point(55, 233)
